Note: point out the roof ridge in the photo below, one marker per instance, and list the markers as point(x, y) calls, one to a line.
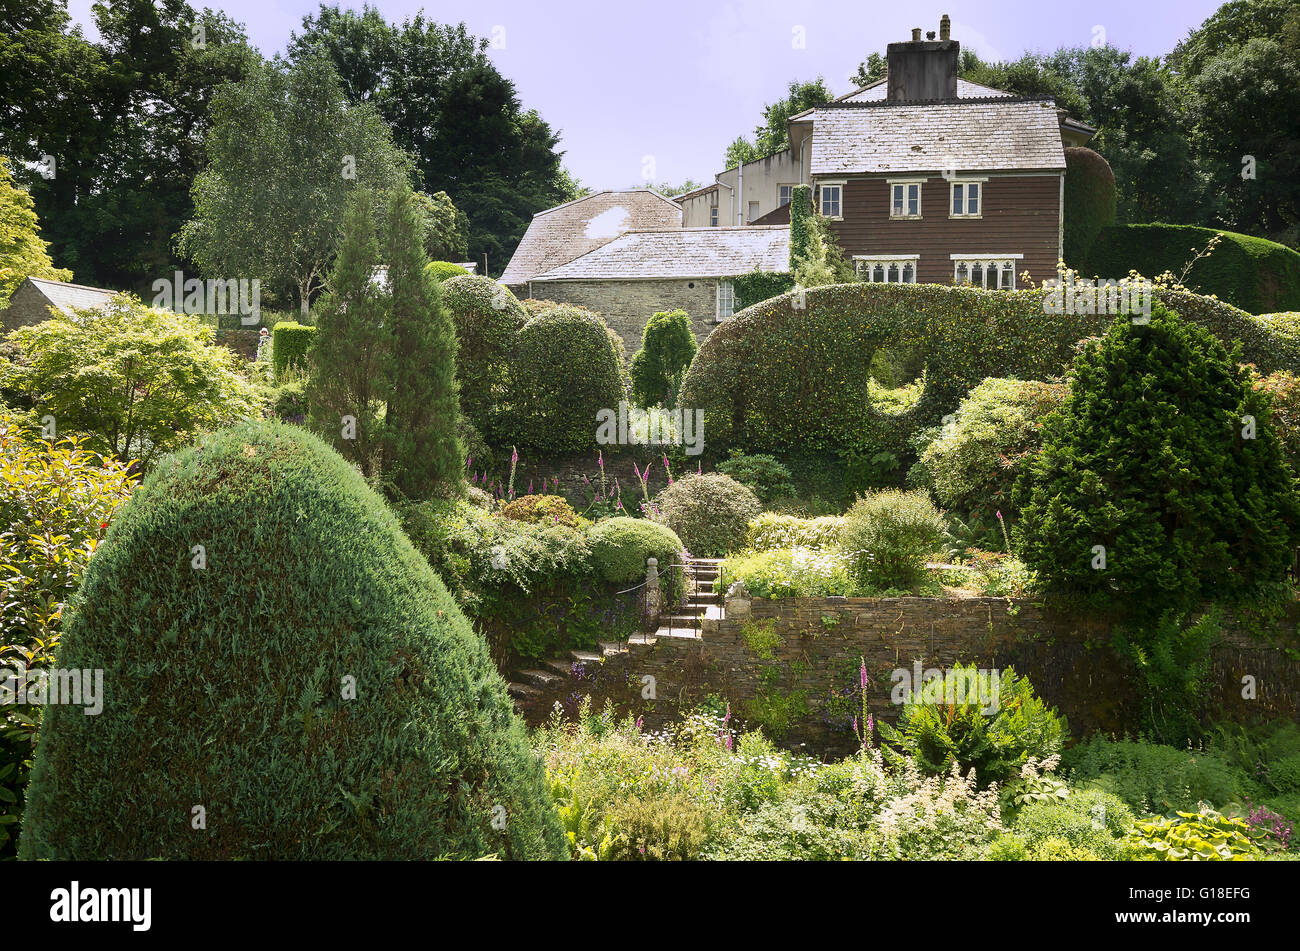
point(84, 287)
point(878, 103)
point(606, 191)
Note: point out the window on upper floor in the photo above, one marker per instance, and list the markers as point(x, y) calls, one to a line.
point(967, 200)
point(905, 199)
point(753, 212)
point(785, 193)
point(726, 300)
point(830, 200)
point(713, 216)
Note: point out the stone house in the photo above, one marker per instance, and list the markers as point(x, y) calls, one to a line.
point(33, 298)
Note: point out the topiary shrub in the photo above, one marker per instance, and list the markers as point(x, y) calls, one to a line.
point(771, 531)
point(1149, 494)
point(709, 512)
point(565, 371)
point(290, 344)
point(888, 535)
point(361, 719)
point(542, 510)
point(1255, 274)
point(991, 722)
point(975, 459)
point(814, 393)
point(620, 547)
point(667, 348)
point(766, 475)
point(487, 319)
point(1089, 202)
point(441, 270)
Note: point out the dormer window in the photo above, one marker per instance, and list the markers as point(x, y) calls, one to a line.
point(967, 198)
point(905, 199)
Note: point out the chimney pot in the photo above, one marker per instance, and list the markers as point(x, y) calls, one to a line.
point(916, 34)
point(945, 28)
point(930, 35)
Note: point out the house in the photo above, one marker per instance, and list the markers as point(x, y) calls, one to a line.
point(923, 175)
point(30, 303)
point(626, 255)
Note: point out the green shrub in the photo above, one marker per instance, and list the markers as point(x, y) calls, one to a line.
point(758, 286)
point(1095, 822)
point(709, 512)
point(888, 535)
point(290, 344)
point(1147, 460)
point(542, 510)
point(487, 319)
point(289, 402)
point(621, 546)
point(441, 270)
point(772, 530)
point(1089, 202)
point(769, 478)
point(943, 723)
point(1283, 390)
point(667, 348)
point(1151, 777)
point(56, 500)
point(1255, 274)
point(669, 828)
point(801, 211)
point(287, 762)
point(975, 459)
point(791, 573)
point(565, 371)
point(814, 392)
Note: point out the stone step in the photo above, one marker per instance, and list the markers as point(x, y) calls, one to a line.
point(612, 648)
point(706, 596)
point(704, 561)
point(677, 633)
point(539, 678)
point(522, 691)
point(587, 657)
point(681, 620)
point(561, 665)
point(641, 640)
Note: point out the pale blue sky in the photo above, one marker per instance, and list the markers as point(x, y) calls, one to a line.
point(678, 80)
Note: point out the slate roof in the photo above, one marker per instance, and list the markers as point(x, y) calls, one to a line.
point(876, 92)
point(683, 253)
point(69, 296)
point(992, 134)
point(560, 234)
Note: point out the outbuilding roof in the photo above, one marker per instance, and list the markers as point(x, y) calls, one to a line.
point(682, 253)
point(66, 297)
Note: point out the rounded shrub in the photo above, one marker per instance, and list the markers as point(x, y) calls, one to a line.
point(667, 348)
point(291, 343)
point(1089, 202)
point(289, 402)
point(709, 513)
point(542, 510)
point(888, 535)
point(441, 270)
point(565, 371)
point(772, 530)
point(304, 677)
point(487, 318)
point(1090, 820)
point(621, 546)
point(766, 475)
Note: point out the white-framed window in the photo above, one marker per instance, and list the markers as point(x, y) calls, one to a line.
point(830, 200)
point(966, 198)
point(726, 300)
point(905, 199)
point(994, 272)
point(886, 268)
point(753, 212)
point(713, 216)
point(784, 194)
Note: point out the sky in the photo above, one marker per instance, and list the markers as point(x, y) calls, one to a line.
point(656, 90)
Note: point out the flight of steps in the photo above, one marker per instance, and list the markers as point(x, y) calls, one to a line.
point(700, 612)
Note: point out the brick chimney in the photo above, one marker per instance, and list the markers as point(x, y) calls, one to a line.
point(924, 69)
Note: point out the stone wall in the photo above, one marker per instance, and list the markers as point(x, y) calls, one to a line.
point(242, 342)
point(628, 305)
point(813, 669)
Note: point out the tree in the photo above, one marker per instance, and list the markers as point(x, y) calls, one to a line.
point(22, 252)
point(772, 135)
point(667, 348)
point(446, 229)
point(350, 370)
point(1161, 483)
point(873, 68)
point(138, 381)
point(740, 151)
point(422, 455)
point(285, 150)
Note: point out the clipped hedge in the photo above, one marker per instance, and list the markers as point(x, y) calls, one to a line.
point(1254, 274)
point(487, 318)
point(441, 270)
point(565, 370)
point(228, 687)
point(813, 392)
point(772, 530)
point(667, 348)
point(1089, 202)
point(758, 286)
point(710, 513)
point(291, 342)
point(620, 547)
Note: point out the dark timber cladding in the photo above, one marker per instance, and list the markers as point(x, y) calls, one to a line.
point(1021, 216)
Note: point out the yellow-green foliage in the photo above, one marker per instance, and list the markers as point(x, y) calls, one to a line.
point(1205, 836)
point(22, 251)
point(772, 530)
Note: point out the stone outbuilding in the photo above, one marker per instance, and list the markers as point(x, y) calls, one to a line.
point(33, 298)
